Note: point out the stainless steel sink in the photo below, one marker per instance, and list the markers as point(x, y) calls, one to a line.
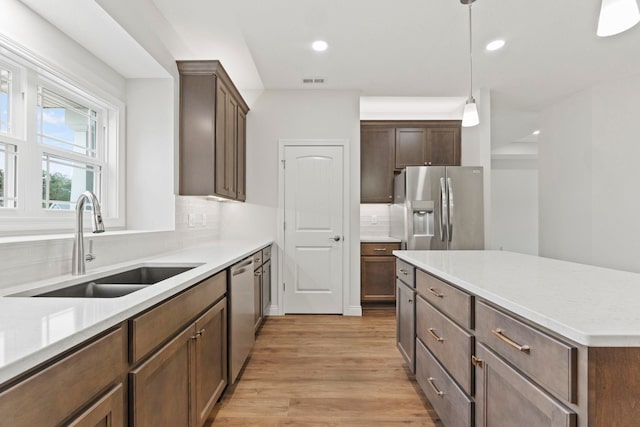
point(116, 285)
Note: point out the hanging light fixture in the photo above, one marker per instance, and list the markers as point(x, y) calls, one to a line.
point(470, 113)
point(617, 16)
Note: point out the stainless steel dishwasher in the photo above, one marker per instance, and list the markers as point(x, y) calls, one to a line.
point(241, 316)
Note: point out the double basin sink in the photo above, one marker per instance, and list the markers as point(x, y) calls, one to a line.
point(115, 285)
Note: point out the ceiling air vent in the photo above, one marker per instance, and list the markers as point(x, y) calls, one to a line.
point(314, 80)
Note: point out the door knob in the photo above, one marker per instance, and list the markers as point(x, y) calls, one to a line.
point(336, 238)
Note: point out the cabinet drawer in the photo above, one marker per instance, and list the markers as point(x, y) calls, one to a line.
point(458, 305)
point(551, 363)
point(378, 249)
point(53, 394)
point(454, 408)
point(257, 259)
point(406, 273)
point(506, 398)
point(448, 342)
point(155, 326)
point(266, 254)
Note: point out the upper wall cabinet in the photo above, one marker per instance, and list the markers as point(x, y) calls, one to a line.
point(212, 132)
point(386, 146)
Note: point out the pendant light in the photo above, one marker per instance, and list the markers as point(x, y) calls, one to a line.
point(470, 113)
point(617, 16)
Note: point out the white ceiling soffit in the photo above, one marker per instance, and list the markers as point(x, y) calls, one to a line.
point(88, 24)
point(410, 108)
point(213, 30)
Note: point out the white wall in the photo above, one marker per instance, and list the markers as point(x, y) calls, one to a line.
point(150, 151)
point(476, 151)
point(308, 114)
point(514, 205)
point(589, 177)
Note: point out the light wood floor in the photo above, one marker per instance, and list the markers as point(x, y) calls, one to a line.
point(309, 370)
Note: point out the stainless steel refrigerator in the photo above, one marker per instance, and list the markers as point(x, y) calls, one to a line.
point(439, 207)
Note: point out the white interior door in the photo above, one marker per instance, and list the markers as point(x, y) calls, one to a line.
point(313, 233)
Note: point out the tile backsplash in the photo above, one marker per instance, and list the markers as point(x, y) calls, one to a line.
point(48, 256)
point(374, 220)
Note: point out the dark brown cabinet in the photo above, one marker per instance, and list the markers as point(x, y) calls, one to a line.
point(261, 285)
point(435, 144)
point(179, 384)
point(160, 387)
point(377, 272)
point(106, 412)
point(212, 132)
point(376, 168)
point(505, 397)
point(388, 146)
point(210, 359)
point(74, 384)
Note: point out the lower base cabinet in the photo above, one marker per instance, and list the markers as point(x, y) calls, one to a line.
point(211, 359)
point(406, 323)
point(505, 398)
point(76, 390)
point(453, 406)
point(106, 412)
point(179, 384)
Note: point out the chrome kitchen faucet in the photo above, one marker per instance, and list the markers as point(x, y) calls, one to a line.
point(78, 258)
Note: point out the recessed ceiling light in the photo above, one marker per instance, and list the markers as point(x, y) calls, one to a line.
point(319, 45)
point(495, 45)
point(536, 132)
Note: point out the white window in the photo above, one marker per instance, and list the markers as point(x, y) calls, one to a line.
point(57, 140)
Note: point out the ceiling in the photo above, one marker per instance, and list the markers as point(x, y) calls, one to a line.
point(389, 48)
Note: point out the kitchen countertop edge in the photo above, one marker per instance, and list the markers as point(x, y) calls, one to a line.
point(584, 321)
point(221, 255)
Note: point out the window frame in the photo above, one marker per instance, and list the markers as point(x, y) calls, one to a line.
point(29, 217)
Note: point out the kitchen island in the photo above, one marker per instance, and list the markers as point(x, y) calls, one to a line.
point(524, 339)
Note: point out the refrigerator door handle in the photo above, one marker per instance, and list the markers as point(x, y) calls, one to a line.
point(443, 209)
point(450, 218)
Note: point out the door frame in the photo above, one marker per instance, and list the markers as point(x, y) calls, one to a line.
point(346, 224)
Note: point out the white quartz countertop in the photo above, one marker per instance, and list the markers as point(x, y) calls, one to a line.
point(379, 239)
point(593, 306)
point(32, 330)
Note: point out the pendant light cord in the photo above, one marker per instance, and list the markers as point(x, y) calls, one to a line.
point(470, 57)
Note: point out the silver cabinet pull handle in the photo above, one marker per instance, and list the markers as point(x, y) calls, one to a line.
point(450, 230)
point(433, 386)
point(435, 336)
point(500, 334)
point(257, 273)
point(380, 249)
point(436, 293)
point(403, 272)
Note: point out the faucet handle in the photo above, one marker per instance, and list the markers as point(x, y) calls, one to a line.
point(90, 256)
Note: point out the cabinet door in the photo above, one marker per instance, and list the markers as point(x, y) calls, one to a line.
point(505, 398)
point(406, 315)
point(210, 359)
point(257, 298)
point(443, 147)
point(242, 160)
point(197, 125)
point(225, 152)
point(410, 149)
point(231, 143)
point(161, 392)
point(266, 287)
point(376, 164)
point(378, 279)
point(108, 411)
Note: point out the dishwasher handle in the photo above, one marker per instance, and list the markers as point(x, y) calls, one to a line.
point(238, 271)
point(235, 270)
